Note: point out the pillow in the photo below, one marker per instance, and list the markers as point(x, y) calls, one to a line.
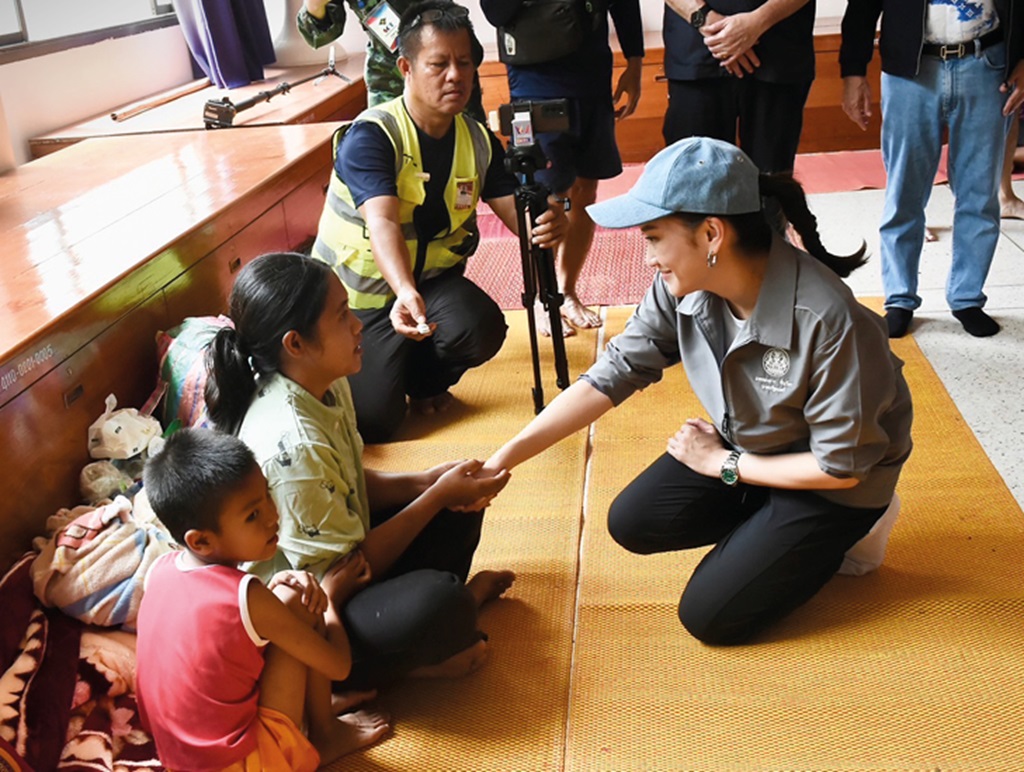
point(182, 373)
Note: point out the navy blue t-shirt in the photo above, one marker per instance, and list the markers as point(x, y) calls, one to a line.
point(366, 164)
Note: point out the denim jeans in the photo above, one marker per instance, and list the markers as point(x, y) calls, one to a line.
point(963, 95)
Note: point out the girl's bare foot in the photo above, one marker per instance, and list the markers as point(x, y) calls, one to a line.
point(457, 665)
point(343, 702)
point(578, 314)
point(488, 585)
point(350, 732)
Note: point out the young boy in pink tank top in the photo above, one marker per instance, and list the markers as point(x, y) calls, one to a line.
point(230, 670)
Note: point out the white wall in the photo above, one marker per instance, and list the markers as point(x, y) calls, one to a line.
point(831, 8)
point(48, 92)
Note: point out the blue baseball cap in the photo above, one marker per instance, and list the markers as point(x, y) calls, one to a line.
point(696, 174)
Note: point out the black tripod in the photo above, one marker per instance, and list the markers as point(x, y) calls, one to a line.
point(220, 113)
point(538, 264)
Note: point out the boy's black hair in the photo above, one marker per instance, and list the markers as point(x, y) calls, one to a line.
point(410, 28)
point(189, 479)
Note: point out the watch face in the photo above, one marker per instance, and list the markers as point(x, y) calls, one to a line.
point(730, 477)
point(698, 17)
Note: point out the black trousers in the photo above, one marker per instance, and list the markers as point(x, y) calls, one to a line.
point(766, 118)
point(470, 331)
point(774, 549)
point(420, 613)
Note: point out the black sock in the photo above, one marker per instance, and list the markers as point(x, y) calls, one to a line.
point(977, 322)
point(898, 321)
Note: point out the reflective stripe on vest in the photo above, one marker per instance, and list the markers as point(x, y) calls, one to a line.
point(342, 239)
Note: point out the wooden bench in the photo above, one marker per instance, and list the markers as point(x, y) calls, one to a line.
point(331, 99)
point(107, 242)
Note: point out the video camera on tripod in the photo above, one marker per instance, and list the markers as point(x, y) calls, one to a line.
point(521, 122)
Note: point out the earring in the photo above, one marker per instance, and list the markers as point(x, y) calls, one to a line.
point(712, 258)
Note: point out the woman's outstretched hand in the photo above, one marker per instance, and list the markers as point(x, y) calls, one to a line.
point(460, 488)
point(698, 445)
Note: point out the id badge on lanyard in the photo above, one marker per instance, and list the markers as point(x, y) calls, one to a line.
point(382, 21)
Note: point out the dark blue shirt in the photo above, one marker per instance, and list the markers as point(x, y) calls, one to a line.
point(786, 50)
point(587, 72)
point(366, 164)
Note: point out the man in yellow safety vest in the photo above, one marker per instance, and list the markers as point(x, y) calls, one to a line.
point(400, 221)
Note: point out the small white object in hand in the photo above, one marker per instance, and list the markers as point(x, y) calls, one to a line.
point(423, 328)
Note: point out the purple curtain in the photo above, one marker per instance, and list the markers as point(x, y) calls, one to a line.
point(229, 39)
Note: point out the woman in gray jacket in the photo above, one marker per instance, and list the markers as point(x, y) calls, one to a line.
point(808, 414)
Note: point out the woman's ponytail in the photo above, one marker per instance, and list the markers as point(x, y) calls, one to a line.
point(790, 196)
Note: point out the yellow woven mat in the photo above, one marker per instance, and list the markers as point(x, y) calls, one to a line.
point(919, 666)
point(511, 715)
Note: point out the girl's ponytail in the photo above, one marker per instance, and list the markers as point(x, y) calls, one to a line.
point(230, 383)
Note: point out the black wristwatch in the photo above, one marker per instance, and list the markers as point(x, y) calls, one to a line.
point(698, 17)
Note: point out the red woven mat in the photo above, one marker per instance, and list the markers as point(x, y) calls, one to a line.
point(613, 275)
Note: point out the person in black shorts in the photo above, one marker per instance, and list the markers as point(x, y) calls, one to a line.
point(587, 152)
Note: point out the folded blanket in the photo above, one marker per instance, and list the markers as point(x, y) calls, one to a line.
point(93, 567)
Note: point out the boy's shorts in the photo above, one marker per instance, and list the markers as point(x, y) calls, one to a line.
point(587, 150)
point(280, 745)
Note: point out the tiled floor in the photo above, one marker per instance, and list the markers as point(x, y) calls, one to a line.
point(985, 377)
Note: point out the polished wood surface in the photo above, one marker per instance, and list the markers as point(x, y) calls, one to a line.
point(826, 127)
point(331, 99)
point(108, 242)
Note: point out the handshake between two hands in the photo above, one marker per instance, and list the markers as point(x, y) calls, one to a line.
point(466, 486)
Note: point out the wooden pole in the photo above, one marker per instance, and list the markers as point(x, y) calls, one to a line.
point(168, 96)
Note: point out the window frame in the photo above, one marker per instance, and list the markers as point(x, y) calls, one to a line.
point(15, 38)
point(19, 51)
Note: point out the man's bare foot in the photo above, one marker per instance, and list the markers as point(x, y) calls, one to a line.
point(431, 405)
point(544, 322)
point(488, 585)
point(421, 406)
point(578, 314)
point(443, 401)
point(1011, 208)
point(350, 732)
point(457, 665)
point(930, 235)
point(343, 702)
